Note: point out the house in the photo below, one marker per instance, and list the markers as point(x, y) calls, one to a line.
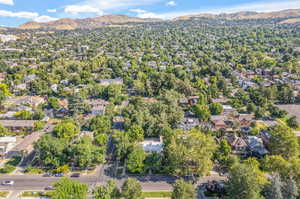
point(6, 144)
point(193, 100)
point(32, 101)
point(25, 147)
point(106, 82)
point(189, 123)
point(245, 120)
point(30, 78)
point(238, 144)
point(218, 122)
point(118, 122)
point(152, 145)
point(256, 146)
point(98, 106)
point(227, 109)
point(17, 125)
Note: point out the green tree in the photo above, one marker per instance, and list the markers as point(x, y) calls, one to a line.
point(66, 130)
point(135, 133)
point(290, 189)
point(110, 191)
point(3, 131)
point(4, 92)
point(53, 102)
point(100, 124)
point(69, 189)
point(283, 142)
point(132, 189)
point(183, 190)
point(274, 189)
point(50, 151)
point(189, 152)
point(215, 108)
point(292, 122)
point(245, 181)
point(135, 160)
point(24, 115)
point(202, 112)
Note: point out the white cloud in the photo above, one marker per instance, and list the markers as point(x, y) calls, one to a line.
point(51, 10)
point(44, 18)
point(77, 9)
point(101, 6)
point(25, 15)
point(138, 10)
point(171, 3)
point(7, 2)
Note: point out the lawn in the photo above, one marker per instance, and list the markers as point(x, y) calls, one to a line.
point(157, 194)
point(4, 194)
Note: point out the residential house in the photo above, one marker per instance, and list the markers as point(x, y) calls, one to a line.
point(256, 146)
point(98, 106)
point(193, 100)
point(17, 125)
point(238, 144)
point(6, 144)
point(245, 120)
point(189, 123)
point(118, 122)
point(152, 145)
point(106, 82)
point(31, 101)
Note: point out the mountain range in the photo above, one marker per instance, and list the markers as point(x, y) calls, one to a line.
point(286, 16)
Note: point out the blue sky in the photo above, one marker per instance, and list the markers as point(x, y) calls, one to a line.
point(16, 12)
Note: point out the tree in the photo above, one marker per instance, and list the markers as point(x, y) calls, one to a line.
point(3, 131)
point(274, 189)
point(135, 133)
point(153, 162)
point(215, 108)
point(50, 151)
point(283, 142)
point(202, 112)
point(245, 181)
point(183, 190)
point(290, 189)
point(69, 189)
point(292, 122)
point(100, 124)
point(135, 160)
point(110, 191)
point(132, 189)
point(189, 152)
point(24, 115)
point(84, 153)
point(53, 102)
point(66, 130)
point(4, 92)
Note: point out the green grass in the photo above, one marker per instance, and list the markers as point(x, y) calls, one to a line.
point(4, 194)
point(35, 193)
point(157, 194)
point(9, 166)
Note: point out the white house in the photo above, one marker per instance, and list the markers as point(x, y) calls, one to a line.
point(152, 145)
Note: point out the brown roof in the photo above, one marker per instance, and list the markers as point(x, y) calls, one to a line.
point(27, 143)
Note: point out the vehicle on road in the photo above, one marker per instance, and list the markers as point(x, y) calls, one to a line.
point(8, 183)
point(75, 175)
point(59, 175)
point(47, 175)
point(49, 188)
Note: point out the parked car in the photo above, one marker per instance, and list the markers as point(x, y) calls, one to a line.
point(75, 175)
point(47, 175)
point(8, 183)
point(59, 175)
point(49, 188)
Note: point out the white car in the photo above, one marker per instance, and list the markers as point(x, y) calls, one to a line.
point(8, 183)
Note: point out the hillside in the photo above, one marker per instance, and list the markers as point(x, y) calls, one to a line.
point(247, 15)
point(88, 23)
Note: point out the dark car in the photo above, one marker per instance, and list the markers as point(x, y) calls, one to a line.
point(75, 175)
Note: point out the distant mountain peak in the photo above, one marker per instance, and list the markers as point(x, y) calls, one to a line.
point(87, 23)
